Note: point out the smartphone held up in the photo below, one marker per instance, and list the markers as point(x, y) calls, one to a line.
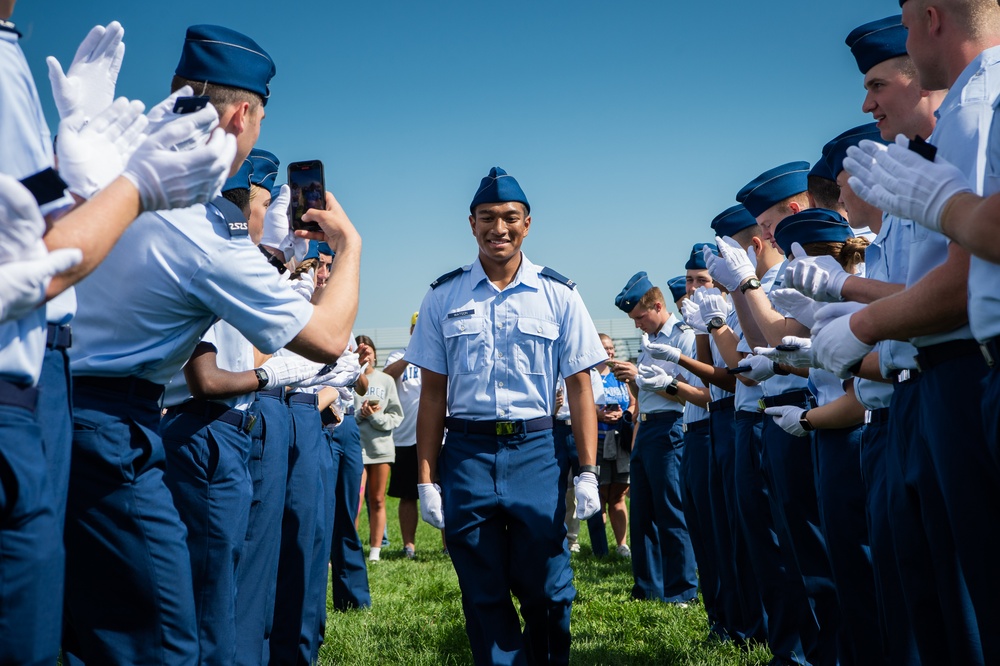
point(308, 190)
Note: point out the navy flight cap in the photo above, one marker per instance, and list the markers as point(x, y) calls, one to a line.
point(852, 137)
point(225, 57)
point(696, 262)
point(878, 41)
point(813, 225)
point(265, 168)
point(635, 289)
point(498, 187)
point(241, 180)
point(774, 186)
point(732, 221)
point(678, 287)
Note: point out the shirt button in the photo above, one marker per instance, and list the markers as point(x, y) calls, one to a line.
point(539, 329)
point(461, 327)
point(500, 354)
point(500, 384)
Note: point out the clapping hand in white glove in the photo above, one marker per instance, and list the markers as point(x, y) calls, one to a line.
point(23, 283)
point(588, 499)
point(797, 305)
point(828, 313)
point(430, 504)
point(761, 368)
point(737, 261)
point(712, 303)
point(21, 222)
point(835, 346)
point(94, 153)
point(800, 357)
point(789, 419)
point(89, 86)
point(343, 373)
point(901, 182)
point(167, 178)
point(653, 378)
point(287, 370)
point(276, 228)
point(660, 351)
point(719, 270)
point(820, 278)
point(692, 316)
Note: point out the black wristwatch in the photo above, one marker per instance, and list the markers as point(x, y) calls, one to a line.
point(261, 378)
point(804, 422)
point(714, 323)
point(671, 387)
point(593, 469)
point(752, 283)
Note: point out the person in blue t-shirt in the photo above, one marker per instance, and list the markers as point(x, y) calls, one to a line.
point(615, 416)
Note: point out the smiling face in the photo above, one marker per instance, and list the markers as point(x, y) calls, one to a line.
point(896, 101)
point(500, 228)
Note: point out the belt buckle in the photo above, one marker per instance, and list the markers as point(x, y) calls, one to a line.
point(903, 376)
point(868, 417)
point(505, 428)
point(760, 404)
point(250, 423)
point(642, 418)
point(987, 355)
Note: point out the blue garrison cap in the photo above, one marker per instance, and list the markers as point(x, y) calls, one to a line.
point(635, 288)
point(496, 188)
point(240, 181)
point(822, 167)
point(313, 252)
point(696, 262)
point(265, 168)
point(678, 287)
point(852, 137)
point(324, 248)
point(732, 221)
point(878, 41)
point(813, 225)
point(774, 186)
point(225, 57)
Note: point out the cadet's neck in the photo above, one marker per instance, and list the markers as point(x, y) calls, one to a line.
point(502, 273)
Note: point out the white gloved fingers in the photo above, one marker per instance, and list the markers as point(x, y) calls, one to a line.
point(276, 220)
point(588, 501)
point(164, 111)
point(88, 86)
point(836, 348)
point(21, 222)
point(752, 256)
point(23, 283)
point(870, 148)
point(789, 419)
point(431, 504)
point(63, 259)
point(761, 368)
point(798, 252)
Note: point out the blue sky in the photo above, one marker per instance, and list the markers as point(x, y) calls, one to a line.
point(629, 125)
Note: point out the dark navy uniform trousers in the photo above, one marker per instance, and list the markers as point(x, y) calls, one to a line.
point(349, 577)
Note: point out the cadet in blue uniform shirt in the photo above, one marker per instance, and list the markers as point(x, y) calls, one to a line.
point(663, 563)
point(493, 337)
point(131, 598)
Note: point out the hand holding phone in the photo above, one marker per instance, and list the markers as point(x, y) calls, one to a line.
point(308, 191)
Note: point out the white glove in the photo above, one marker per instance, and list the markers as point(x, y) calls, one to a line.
point(739, 264)
point(835, 347)
point(799, 307)
point(21, 222)
point(788, 419)
point(761, 368)
point(752, 256)
point(304, 286)
point(802, 357)
point(828, 313)
point(89, 86)
point(820, 278)
point(712, 303)
point(653, 378)
point(719, 270)
point(692, 316)
point(276, 220)
point(167, 178)
point(92, 154)
point(588, 499)
point(903, 183)
point(660, 351)
point(430, 504)
point(23, 283)
point(163, 113)
point(345, 372)
point(285, 370)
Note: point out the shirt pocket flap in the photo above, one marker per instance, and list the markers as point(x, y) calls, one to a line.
point(466, 326)
point(540, 328)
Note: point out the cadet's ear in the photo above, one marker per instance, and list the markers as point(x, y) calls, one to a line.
point(795, 207)
point(235, 118)
point(472, 224)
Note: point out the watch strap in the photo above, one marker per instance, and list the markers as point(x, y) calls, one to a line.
point(593, 469)
point(262, 378)
point(752, 283)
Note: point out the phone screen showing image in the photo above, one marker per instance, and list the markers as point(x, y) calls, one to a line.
point(308, 190)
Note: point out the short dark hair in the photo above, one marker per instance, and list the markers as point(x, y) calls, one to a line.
point(221, 97)
point(240, 198)
point(825, 192)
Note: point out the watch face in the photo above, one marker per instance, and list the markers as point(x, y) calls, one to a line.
point(716, 322)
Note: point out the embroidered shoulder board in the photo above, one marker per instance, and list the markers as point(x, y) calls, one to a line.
point(552, 275)
point(447, 276)
point(233, 215)
point(684, 327)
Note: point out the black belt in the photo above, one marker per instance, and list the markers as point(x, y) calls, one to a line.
point(278, 393)
point(59, 336)
point(697, 426)
point(498, 428)
point(991, 352)
point(216, 411)
point(307, 398)
point(928, 357)
point(652, 417)
point(744, 415)
point(140, 388)
point(878, 416)
point(720, 405)
point(789, 398)
point(12, 395)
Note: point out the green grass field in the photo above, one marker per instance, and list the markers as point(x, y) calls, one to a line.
point(416, 615)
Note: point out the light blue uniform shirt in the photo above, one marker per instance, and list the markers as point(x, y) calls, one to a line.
point(171, 276)
point(984, 276)
point(780, 383)
point(27, 149)
point(675, 334)
point(871, 394)
point(234, 353)
point(748, 397)
point(825, 385)
point(716, 393)
point(961, 137)
point(692, 412)
point(503, 350)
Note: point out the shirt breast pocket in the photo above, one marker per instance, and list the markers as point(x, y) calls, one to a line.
point(465, 340)
point(534, 345)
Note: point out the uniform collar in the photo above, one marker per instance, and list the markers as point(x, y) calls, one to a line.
point(527, 274)
point(668, 328)
point(956, 93)
point(8, 26)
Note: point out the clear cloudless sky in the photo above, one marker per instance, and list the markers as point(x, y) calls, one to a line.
point(629, 125)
